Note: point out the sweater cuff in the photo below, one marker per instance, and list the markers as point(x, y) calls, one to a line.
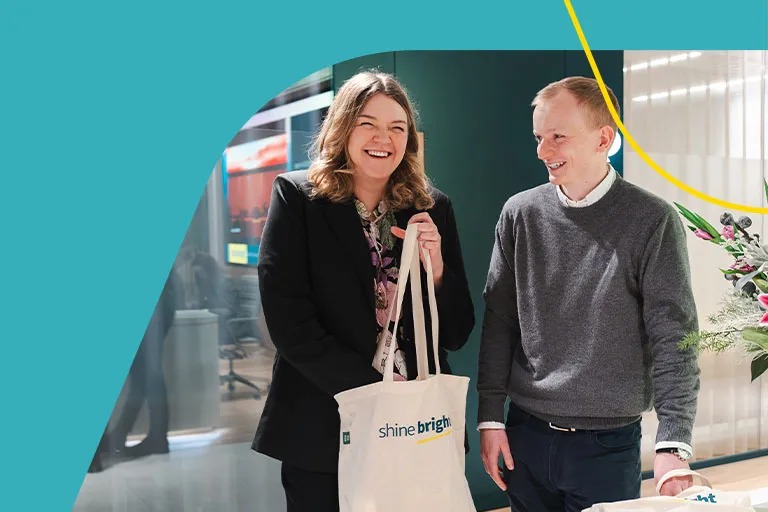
point(672, 430)
point(491, 408)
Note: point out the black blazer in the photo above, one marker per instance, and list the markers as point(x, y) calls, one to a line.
point(316, 281)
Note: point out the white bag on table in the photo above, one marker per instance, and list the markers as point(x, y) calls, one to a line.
point(698, 498)
point(402, 443)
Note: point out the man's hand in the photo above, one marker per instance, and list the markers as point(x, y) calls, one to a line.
point(664, 463)
point(493, 441)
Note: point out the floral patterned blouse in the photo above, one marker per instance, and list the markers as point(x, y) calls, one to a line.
point(385, 261)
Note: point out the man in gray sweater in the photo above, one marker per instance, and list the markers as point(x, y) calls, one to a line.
point(588, 294)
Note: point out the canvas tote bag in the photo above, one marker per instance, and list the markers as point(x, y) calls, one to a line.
point(698, 498)
point(402, 443)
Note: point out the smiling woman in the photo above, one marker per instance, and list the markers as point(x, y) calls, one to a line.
point(371, 113)
point(377, 145)
point(329, 267)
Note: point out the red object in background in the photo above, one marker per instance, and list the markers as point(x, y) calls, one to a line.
point(249, 193)
point(249, 183)
point(258, 154)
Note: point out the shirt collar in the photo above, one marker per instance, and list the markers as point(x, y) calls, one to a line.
point(597, 193)
point(373, 216)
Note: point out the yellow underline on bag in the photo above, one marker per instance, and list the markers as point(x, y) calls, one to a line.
point(647, 159)
point(434, 437)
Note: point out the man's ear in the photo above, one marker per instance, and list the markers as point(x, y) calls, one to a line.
point(607, 135)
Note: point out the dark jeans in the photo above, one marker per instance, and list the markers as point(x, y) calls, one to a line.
point(310, 491)
point(570, 471)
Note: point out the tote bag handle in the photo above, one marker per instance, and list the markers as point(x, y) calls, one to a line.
point(410, 266)
point(681, 472)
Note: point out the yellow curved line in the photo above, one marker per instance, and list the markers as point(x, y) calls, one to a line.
point(648, 160)
point(434, 437)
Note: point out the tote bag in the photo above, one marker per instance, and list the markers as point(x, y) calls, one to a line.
point(402, 443)
point(698, 498)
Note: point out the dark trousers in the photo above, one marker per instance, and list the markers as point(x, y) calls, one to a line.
point(307, 491)
point(570, 471)
point(147, 382)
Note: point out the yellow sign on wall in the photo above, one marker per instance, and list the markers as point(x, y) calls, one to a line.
point(237, 253)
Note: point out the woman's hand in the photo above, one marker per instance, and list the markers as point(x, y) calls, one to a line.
point(429, 240)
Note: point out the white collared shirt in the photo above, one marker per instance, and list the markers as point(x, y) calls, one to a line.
point(597, 193)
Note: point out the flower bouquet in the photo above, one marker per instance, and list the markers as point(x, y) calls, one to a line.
point(742, 322)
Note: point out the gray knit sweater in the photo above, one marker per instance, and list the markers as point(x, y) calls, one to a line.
point(584, 309)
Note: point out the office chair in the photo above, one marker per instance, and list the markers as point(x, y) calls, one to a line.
point(245, 329)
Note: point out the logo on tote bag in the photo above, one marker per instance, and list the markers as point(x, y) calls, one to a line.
point(438, 427)
point(700, 497)
point(345, 437)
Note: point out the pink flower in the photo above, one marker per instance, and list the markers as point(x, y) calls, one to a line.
point(702, 234)
point(763, 299)
point(742, 266)
point(728, 233)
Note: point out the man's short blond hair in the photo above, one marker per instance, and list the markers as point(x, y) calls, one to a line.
point(588, 95)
